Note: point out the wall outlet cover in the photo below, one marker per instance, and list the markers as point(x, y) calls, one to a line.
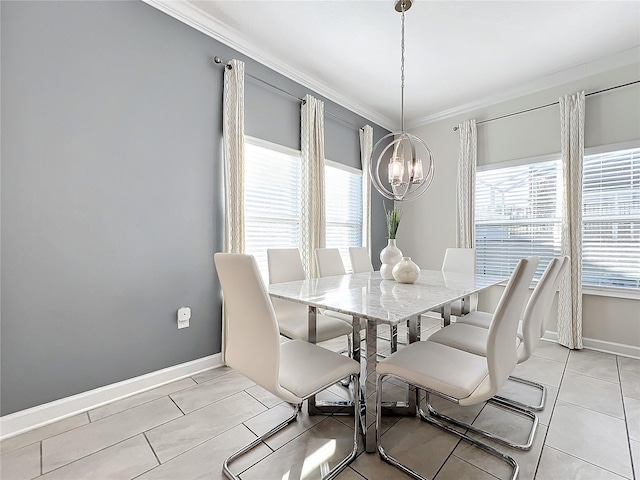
point(184, 314)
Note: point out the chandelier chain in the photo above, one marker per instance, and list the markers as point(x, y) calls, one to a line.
point(402, 70)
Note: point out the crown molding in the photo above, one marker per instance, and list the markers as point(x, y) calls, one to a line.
point(621, 59)
point(186, 13)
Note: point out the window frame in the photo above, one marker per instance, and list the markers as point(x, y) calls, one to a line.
point(603, 291)
point(277, 148)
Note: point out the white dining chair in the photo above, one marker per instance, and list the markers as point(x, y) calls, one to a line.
point(458, 376)
point(461, 260)
point(285, 265)
point(360, 260)
point(329, 262)
point(292, 371)
point(470, 332)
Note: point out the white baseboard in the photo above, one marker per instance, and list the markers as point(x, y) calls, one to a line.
point(601, 345)
point(41, 415)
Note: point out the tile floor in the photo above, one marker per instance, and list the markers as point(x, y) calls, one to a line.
point(590, 429)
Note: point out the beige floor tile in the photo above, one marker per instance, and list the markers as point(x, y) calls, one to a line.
point(537, 369)
point(340, 392)
point(204, 394)
point(555, 465)
point(457, 469)
point(635, 454)
point(527, 460)
point(630, 384)
point(422, 447)
point(632, 413)
point(211, 374)
point(501, 422)
point(530, 396)
point(593, 364)
point(592, 393)
point(21, 464)
point(265, 397)
point(306, 456)
point(205, 461)
point(590, 436)
point(349, 474)
point(126, 459)
point(371, 466)
point(82, 441)
point(262, 423)
point(465, 414)
point(629, 364)
point(41, 433)
point(188, 431)
point(552, 351)
point(139, 399)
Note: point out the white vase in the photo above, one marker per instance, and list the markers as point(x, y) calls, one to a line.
point(406, 271)
point(389, 256)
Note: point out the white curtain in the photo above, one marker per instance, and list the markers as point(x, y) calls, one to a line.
point(233, 151)
point(366, 147)
point(312, 219)
point(233, 140)
point(570, 294)
point(467, 159)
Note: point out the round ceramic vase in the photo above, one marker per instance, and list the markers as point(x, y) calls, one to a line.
point(406, 271)
point(389, 256)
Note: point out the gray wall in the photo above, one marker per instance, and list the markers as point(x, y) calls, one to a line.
point(111, 191)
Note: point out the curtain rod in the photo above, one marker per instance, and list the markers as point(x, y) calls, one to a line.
point(227, 65)
point(549, 104)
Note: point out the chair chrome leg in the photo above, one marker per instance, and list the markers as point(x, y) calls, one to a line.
point(504, 441)
point(345, 381)
point(524, 381)
point(335, 471)
point(234, 456)
point(392, 461)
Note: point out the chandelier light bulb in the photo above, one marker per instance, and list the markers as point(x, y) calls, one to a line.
point(415, 173)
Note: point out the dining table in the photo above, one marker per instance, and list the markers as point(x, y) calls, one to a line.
point(380, 302)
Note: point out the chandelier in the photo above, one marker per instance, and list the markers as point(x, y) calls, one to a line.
point(408, 160)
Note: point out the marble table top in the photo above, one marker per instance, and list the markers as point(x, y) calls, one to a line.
point(367, 295)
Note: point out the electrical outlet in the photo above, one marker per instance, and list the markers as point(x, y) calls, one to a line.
point(184, 314)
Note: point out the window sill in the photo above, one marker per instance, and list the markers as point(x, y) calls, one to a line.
point(628, 293)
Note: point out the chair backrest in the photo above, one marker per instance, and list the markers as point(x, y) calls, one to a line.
point(539, 305)
point(329, 262)
point(285, 265)
point(252, 342)
point(461, 260)
point(360, 260)
point(501, 340)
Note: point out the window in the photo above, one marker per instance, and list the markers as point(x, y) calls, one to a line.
point(272, 202)
point(611, 219)
point(518, 213)
point(343, 208)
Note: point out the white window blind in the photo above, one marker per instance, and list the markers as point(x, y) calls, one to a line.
point(272, 201)
point(517, 214)
point(611, 219)
point(343, 207)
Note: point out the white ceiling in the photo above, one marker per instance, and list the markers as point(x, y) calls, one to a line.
point(459, 54)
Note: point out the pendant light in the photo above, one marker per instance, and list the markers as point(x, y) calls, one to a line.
point(407, 158)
